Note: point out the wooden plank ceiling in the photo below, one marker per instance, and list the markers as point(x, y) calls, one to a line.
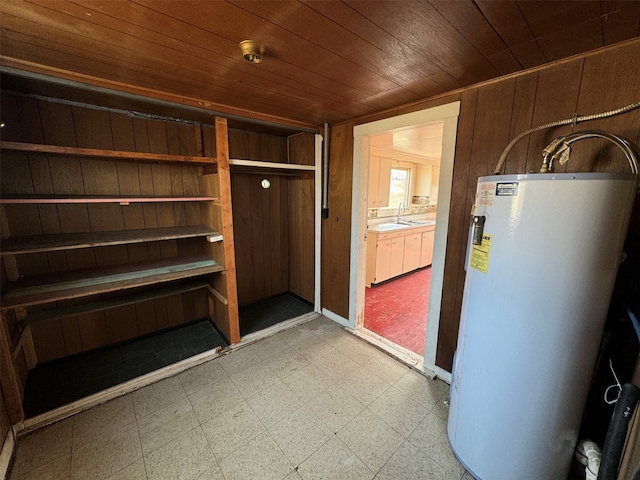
point(325, 60)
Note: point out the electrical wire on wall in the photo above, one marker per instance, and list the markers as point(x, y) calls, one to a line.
point(616, 385)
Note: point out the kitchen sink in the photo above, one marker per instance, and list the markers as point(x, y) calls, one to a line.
point(388, 226)
point(417, 222)
point(403, 223)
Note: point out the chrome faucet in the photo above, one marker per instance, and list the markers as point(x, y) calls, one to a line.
point(401, 208)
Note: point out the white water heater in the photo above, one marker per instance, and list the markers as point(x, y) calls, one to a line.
point(540, 273)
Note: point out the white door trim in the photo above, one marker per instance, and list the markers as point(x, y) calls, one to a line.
point(449, 114)
point(317, 252)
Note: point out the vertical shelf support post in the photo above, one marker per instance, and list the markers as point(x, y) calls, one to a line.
point(224, 174)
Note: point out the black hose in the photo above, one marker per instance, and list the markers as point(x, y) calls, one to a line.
point(325, 173)
point(617, 433)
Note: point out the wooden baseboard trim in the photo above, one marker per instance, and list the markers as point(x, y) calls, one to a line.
point(442, 374)
point(403, 355)
point(335, 317)
point(268, 332)
point(8, 447)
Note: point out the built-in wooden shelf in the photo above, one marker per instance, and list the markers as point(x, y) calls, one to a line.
point(105, 199)
point(274, 168)
point(105, 154)
point(66, 285)
point(69, 311)
point(275, 165)
point(70, 241)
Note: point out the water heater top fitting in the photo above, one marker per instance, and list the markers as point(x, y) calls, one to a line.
point(569, 121)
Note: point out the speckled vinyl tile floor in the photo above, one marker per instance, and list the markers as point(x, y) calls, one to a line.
point(312, 402)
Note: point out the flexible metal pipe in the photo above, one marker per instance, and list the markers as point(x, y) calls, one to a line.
point(563, 143)
point(569, 121)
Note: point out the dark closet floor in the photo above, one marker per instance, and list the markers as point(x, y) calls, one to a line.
point(56, 383)
point(265, 313)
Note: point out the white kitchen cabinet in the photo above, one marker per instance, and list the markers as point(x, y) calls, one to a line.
point(412, 252)
point(423, 180)
point(374, 177)
point(384, 256)
point(435, 181)
point(379, 182)
point(383, 260)
point(392, 253)
point(378, 257)
point(426, 248)
point(397, 255)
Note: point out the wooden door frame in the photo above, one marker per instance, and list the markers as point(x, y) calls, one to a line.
point(317, 248)
point(449, 115)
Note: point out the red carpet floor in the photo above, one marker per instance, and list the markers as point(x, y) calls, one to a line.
point(397, 309)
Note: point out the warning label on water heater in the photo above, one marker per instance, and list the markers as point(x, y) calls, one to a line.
point(485, 193)
point(480, 254)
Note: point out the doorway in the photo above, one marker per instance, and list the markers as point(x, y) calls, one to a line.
point(363, 135)
point(404, 170)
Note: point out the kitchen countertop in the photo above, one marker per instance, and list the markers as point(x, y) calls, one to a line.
point(392, 226)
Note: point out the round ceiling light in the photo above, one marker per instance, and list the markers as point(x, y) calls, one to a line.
point(251, 51)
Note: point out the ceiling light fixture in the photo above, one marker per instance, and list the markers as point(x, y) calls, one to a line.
point(251, 51)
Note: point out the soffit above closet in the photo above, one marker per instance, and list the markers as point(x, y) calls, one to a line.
point(325, 60)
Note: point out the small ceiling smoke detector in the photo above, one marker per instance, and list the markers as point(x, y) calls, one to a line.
point(251, 51)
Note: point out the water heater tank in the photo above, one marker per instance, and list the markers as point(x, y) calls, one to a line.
point(539, 280)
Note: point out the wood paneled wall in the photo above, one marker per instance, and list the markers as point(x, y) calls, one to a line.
point(261, 231)
point(39, 121)
point(257, 146)
point(336, 230)
point(274, 227)
point(302, 219)
point(491, 115)
point(260, 219)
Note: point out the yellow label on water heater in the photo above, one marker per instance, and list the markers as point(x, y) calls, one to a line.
point(480, 254)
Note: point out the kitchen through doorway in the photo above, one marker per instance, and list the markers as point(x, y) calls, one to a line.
point(403, 169)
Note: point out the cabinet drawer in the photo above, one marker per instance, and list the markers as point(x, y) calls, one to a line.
point(385, 236)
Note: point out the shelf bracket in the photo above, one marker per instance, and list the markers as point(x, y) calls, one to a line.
point(25, 344)
point(217, 294)
point(214, 238)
